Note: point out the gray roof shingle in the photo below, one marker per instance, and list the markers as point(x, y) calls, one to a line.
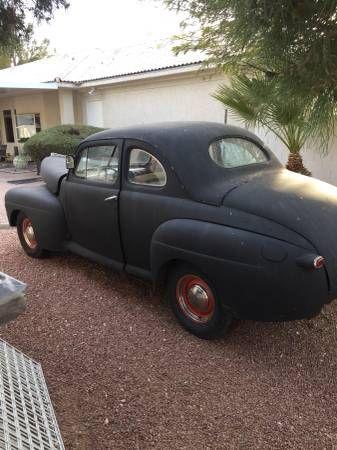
point(100, 63)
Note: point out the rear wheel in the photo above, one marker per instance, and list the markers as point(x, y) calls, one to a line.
point(196, 305)
point(27, 236)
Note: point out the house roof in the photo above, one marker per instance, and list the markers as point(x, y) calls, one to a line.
point(99, 64)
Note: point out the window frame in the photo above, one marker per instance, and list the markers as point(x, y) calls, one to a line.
point(102, 143)
point(244, 166)
point(36, 119)
point(144, 185)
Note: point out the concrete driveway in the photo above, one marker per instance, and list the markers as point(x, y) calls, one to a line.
point(3, 189)
point(7, 175)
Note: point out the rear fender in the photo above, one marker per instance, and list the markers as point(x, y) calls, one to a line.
point(193, 241)
point(255, 276)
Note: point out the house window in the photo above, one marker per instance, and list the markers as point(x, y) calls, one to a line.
point(27, 125)
point(8, 126)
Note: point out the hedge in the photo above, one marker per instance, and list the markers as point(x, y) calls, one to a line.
point(60, 139)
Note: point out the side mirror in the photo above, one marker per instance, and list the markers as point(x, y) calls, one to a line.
point(70, 162)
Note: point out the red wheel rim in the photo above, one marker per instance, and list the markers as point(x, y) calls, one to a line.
point(28, 233)
point(195, 298)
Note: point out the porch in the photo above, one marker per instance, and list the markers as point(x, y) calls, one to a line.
point(27, 108)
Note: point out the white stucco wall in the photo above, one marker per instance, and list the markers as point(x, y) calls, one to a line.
point(180, 98)
point(184, 97)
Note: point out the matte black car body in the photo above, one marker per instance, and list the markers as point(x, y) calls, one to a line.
point(250, 230)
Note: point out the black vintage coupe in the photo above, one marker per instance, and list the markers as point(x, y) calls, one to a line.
point(205, 208)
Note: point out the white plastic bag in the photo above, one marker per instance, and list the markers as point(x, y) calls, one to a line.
point(12, 298)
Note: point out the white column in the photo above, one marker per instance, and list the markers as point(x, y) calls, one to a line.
point(66, 104)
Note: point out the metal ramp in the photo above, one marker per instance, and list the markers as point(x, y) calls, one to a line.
point(27, 419)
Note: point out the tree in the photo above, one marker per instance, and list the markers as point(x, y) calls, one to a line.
point(32, 51)
point(14, 27)
point(262, 102)
point(294, 41)
point(5, 61)
point(25, 52)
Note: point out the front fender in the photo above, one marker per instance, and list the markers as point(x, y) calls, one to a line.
point(44, 209)
point(254, 275)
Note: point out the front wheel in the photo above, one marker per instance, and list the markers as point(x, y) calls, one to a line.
point(27, 236)
point(196, 305)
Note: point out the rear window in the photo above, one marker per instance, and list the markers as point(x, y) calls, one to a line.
point(236, 152)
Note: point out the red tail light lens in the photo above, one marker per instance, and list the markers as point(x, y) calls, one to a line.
point(318, 262)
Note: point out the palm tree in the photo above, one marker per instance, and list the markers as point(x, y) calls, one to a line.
point(264, 102)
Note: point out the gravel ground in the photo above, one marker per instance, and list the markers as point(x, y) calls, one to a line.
point(122, 374)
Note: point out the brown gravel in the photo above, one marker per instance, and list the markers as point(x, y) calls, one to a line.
point(123, 375)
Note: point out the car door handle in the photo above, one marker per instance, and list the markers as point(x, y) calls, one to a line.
point(110, 199)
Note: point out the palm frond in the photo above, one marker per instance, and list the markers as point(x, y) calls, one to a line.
point(267, 102)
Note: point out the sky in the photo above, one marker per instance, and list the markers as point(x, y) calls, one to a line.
point(108, 24)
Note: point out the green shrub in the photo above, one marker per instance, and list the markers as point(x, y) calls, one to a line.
point(60, 139)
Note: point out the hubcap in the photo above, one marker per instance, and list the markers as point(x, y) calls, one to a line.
point(28, 233)
point(195, 298)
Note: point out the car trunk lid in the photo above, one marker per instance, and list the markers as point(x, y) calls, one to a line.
point(303, 204)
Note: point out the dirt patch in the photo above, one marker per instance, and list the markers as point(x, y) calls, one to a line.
point(122, 374)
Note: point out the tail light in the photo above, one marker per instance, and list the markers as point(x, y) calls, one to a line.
point(318, 262)
point(311, 261)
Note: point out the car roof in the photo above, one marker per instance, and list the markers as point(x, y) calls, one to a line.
point(170, 133)
point(184, 146)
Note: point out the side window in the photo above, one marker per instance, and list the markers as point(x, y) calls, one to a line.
point(145, 169)
point(99, 164)
point(81, 168)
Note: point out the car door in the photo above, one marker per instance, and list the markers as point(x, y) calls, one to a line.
point(145, 202)
point(92, 197)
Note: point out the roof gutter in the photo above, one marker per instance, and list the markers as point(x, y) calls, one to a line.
point(67, 85)
point(33, 86)
point(156, 73)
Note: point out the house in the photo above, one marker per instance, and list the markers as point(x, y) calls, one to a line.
point(112, 88)
point(105, 89)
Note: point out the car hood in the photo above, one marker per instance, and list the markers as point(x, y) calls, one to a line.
point(303, 204)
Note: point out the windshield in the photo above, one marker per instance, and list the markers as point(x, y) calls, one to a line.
point(236, 152)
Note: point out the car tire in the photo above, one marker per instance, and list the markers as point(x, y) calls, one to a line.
point(27, 236)
point(195, 304)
